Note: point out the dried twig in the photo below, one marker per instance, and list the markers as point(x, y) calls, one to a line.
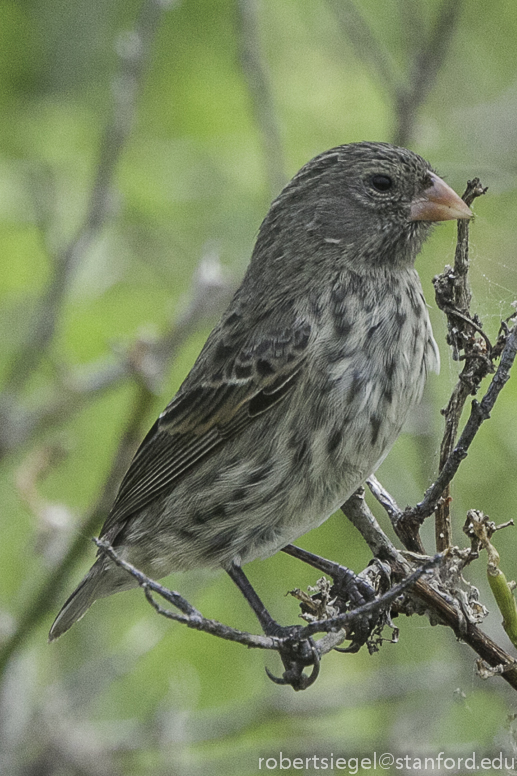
point(480, 412)
point(441, 606)
point(453, 297)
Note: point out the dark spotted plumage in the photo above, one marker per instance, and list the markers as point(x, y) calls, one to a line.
point(302, 387)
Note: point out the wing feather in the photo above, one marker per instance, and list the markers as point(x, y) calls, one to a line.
point(203, 416)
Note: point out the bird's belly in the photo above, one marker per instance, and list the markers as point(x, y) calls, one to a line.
point(260, 497)
point(287, 472)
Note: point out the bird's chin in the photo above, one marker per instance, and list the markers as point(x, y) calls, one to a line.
point(400, 249)
point(418, 232)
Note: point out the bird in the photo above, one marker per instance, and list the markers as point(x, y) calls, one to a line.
point(301, 388)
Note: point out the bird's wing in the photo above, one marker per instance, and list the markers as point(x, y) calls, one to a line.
point(203, 415)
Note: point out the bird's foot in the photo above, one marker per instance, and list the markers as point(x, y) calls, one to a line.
point(296, 655)
point(348, 592)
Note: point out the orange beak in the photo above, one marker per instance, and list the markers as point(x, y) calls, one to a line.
point(438, 203)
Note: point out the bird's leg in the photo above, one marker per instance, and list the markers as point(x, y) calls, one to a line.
point(322, 564)
point(270, 626)
point(295, 654)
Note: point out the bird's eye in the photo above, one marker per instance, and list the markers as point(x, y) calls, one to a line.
point(382, 182)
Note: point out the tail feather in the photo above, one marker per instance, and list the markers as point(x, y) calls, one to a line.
point(77, 604)
point(102, 580)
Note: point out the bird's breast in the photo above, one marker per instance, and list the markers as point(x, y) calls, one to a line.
point(370, 362)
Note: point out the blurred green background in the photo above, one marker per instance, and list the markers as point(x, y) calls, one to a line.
point(140, 146)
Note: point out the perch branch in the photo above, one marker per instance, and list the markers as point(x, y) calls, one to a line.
point(441, 606)
point(335, 627)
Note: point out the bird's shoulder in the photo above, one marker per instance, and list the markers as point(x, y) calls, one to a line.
point(240, 360)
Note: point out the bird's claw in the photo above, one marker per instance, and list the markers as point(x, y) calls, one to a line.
point(297, 655)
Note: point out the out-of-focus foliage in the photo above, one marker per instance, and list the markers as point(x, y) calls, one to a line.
point(126, 692)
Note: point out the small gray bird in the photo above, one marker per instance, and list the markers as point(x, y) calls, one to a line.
point(302, 387)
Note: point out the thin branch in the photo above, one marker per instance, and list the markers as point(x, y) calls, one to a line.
point(453, 297)
point(356, 510)
point(424, 69)
point(255, 72)
point(479, 413)
point(440, 606)
point(192, 618)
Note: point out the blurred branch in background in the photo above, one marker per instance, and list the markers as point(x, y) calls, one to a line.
point(145, 364)
point(425, 63)
point(148, 365)
point(143, 360)
point(426, 50)
point(134, 49)
point(255, 71)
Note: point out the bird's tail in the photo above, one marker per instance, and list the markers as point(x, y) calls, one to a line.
point(102, 580)
point(78, 603)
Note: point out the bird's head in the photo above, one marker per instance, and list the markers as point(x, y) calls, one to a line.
point(368, 203)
